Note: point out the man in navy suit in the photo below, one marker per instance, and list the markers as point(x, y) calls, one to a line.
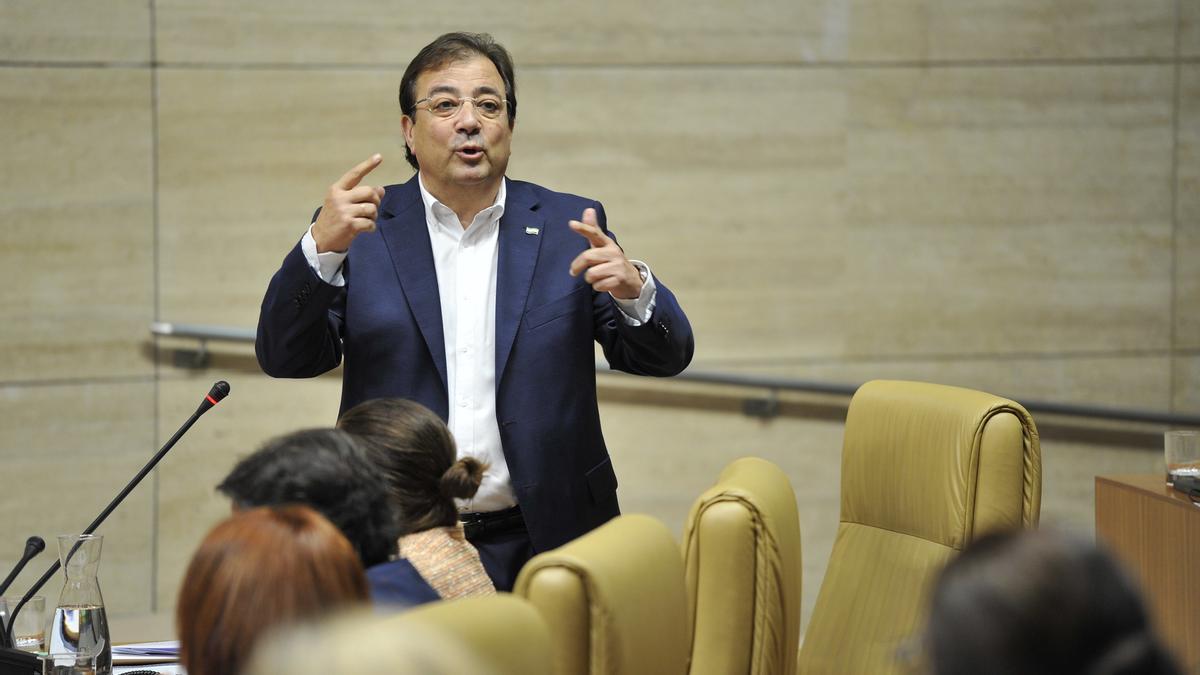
point(478, 296)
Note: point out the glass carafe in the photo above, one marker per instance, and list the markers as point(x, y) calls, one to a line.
point(77, 637)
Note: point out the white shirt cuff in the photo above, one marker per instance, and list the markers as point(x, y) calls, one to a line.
point(327, 265)
point(636, 311)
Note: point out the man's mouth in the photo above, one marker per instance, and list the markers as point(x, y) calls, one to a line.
point(469, 151)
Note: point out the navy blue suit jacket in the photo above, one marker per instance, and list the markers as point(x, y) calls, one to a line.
point(397, 583)
point(386, 324)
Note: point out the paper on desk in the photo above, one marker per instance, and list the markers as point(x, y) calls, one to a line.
point(161, 669)
point(146, 652)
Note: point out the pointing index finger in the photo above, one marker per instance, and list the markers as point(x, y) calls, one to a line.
point(352, 177)
point(589, 228)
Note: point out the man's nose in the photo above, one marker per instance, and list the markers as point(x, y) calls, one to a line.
point(467, 119)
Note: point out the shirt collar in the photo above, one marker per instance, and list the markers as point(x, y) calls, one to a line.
point(437, 213)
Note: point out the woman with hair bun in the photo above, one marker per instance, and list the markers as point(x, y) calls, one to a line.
point(418, 458)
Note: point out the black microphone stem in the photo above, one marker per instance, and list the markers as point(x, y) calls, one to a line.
point(204, 407)
point(11, 577)
point(33, 546)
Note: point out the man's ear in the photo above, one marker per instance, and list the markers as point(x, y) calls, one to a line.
point(406, 127)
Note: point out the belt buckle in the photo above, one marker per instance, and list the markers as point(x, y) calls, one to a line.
point(473, 525)
point(470, 517)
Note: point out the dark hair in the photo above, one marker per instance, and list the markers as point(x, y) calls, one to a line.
point(1040, 602)
point(416, 452)
point(327, 470)
point(255, 571)
point(450, 48)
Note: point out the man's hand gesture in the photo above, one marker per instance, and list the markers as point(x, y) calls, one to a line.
point(349, 209)
point(604, 265)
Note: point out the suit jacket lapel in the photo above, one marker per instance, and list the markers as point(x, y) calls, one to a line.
point(407, 237)
point(520, 236)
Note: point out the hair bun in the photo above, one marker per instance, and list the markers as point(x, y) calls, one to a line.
point(462, 479)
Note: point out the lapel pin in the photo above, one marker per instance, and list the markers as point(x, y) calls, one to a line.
point(532, 230)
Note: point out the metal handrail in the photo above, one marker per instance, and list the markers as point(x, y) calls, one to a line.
point(204, 333)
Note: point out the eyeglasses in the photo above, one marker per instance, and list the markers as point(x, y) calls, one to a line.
point(490, 107)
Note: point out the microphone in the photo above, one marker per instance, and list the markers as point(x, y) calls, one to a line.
point(214, 396)
point(33, 546)
point(219, 391)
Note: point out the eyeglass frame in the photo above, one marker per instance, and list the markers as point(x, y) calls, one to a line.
point(461, 101)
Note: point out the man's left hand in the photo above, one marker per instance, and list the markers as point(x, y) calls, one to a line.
point(604, 264)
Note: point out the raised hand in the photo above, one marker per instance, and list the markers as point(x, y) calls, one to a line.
point(604, 264)
point(349, 209)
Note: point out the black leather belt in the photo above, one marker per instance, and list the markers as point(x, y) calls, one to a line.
point(479, 523)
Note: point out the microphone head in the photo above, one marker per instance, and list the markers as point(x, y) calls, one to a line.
point(34, 545)
point(219, 391)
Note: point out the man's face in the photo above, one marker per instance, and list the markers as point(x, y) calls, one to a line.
point(466, 151)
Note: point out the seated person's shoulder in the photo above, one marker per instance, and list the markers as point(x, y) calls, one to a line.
point(397, 582)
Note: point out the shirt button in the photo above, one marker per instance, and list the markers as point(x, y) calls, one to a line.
point(462, 403)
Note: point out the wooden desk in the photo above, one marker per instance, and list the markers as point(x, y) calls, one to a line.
point(1155, 531)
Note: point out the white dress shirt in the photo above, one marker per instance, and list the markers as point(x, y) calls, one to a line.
point(466, 262)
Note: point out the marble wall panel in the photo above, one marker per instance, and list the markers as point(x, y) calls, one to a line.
point(1008, 30)
point(1138, 382)
point(375, 31)
point(1187, 195)
point(245, 157)
point(1189, 28)
point(76, 222)
point(1186, 397)
point(1010, 209)
point(66, 450)
point(728, 182)
point(879, 211)
point(709, 31)
point(1069, 469)
point(75, 30)
point(256, 409)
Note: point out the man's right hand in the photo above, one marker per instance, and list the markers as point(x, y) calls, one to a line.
point(349, 210)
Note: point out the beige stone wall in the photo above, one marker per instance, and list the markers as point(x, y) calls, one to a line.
point(992, 193)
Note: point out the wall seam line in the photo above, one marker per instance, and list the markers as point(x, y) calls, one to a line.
point(154, 511)
point(1172, 377)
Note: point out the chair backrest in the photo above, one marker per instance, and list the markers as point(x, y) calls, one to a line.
point(486, 635)
point(613, 599)
point(741, 548)
point(926, 468)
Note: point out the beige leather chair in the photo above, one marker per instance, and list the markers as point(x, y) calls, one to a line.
point(925, 469)
point(492, 635)
point(613, 599)
point(741, 548)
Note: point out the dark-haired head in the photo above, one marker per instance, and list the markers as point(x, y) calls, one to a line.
point(328, 471)
point(1040, 602)
point(451, 48)
point(416, 452)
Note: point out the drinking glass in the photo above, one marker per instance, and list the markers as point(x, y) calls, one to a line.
point(29, 631)
point(1183, 454)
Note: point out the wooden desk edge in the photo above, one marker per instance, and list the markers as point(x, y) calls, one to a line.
point(1154, 485)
